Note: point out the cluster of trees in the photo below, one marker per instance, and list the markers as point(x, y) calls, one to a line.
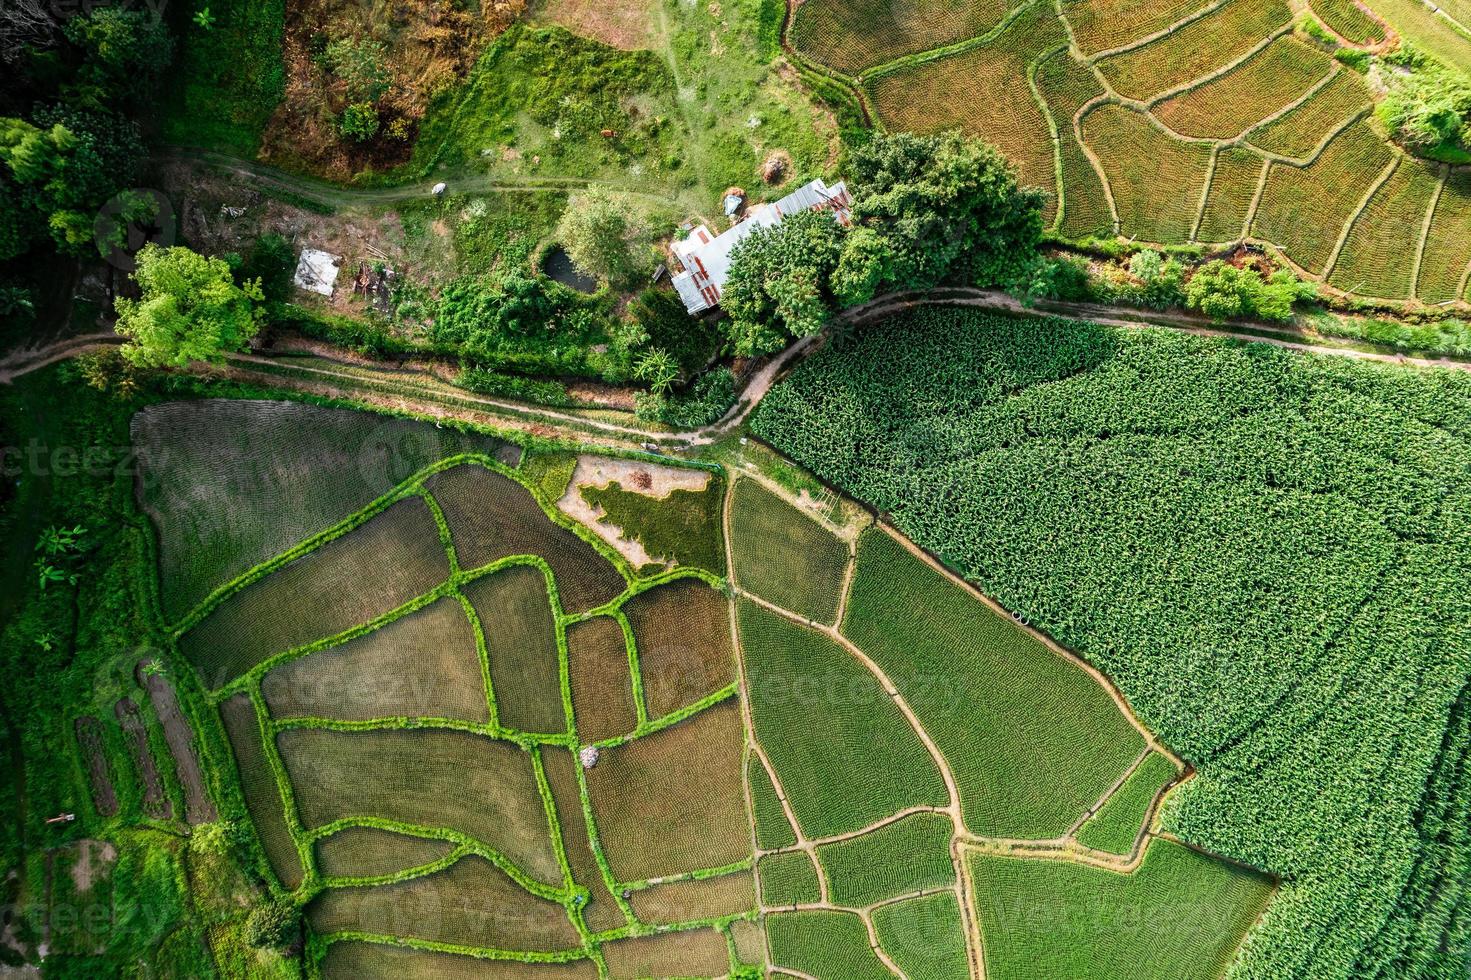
point(930, 211)
point(69, 137)
point(1220, 289)
point(1427, 105)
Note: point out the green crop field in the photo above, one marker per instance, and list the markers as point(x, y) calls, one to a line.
point(1155, 122)
point(1252, 543)
point(482, 771)
point(925, 937)
point(1119, 822)
point(907, 856)
point(784, 556)
point(1033, 739)
point(1180, 915)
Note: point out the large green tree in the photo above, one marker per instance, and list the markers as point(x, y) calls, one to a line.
point(191, 309)
point(780, 282)
point(949, 209)
point(599, 232)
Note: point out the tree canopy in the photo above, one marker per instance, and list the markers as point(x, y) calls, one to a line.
point(948, 207)
point(191, 309)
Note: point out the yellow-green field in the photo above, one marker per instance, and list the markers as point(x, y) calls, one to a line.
point(1157, 122)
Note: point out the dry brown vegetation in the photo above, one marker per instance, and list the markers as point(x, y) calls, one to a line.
point(430, 45)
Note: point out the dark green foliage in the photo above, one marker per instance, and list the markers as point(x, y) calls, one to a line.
point(948, 207)
point(228, 78)
point(539, 390)
point(780, 282)
point(60, 171)
point(359, 122)
point(1428, 106)
point(273, 925)
point(705, 403)
point(1267, 552)
point(272, 261)
point(576, 86)
point(1226, 292)
point(122, 54)
point(692, 342)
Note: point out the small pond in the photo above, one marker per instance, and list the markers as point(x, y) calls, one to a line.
point(558, 266)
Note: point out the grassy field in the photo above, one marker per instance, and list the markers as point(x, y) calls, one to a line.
point(1181, 916)
point(696, 899)
point(843, 752)
point(1123, 111)
point(641, 792)
point(924, 937)
point(1388, 230)
point(391, 559)
point(1119, 822)
point(906, 856)
point(851, 35)
point(232, 483)
point(1443, 269)
point(514, 523)
point(1032, 738)
point(682, 529)
point(684, 653)
point(521, 646)
point(602, 687)
point(784, 556)
point(369, 852)
point(471, 903)
point(423, 665)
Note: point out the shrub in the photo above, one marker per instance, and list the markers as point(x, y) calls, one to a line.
point(1224, 292)
point(359, 122)
point(1428, 107)
point(706, 402)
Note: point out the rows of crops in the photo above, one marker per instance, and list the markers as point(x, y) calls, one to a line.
point(1233, 187)
point(1388, 231)
point(1180, 84)
point(1264, 550)
point(853, 35)
point(1178, 917)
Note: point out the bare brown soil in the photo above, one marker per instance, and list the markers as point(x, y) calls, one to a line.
point(89, 737)
point(625, 24)
point(430, 45)
point(155, 802)
point(180, 738)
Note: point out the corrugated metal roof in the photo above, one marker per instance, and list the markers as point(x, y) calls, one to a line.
point(707, 260)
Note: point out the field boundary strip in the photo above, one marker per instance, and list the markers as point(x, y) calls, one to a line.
point(1445, 174)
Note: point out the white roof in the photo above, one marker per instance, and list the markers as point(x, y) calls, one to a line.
point(316, 271)
point(706, 257)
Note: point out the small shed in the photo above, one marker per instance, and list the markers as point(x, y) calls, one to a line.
point(316, 271)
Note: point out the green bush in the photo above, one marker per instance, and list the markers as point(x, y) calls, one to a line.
point(359, 122)
point(1226, 292)
point(1427, 106)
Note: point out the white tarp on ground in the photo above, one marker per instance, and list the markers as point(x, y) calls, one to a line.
point(316, 271)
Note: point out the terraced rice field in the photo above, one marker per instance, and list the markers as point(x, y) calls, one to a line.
point(526, 758)
point(1156, 122)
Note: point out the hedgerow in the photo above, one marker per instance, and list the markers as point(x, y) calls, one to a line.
point(1262, 549)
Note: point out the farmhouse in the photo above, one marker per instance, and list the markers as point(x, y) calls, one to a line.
point(706, 256)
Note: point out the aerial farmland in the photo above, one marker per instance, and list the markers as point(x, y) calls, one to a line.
point(736, 489)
